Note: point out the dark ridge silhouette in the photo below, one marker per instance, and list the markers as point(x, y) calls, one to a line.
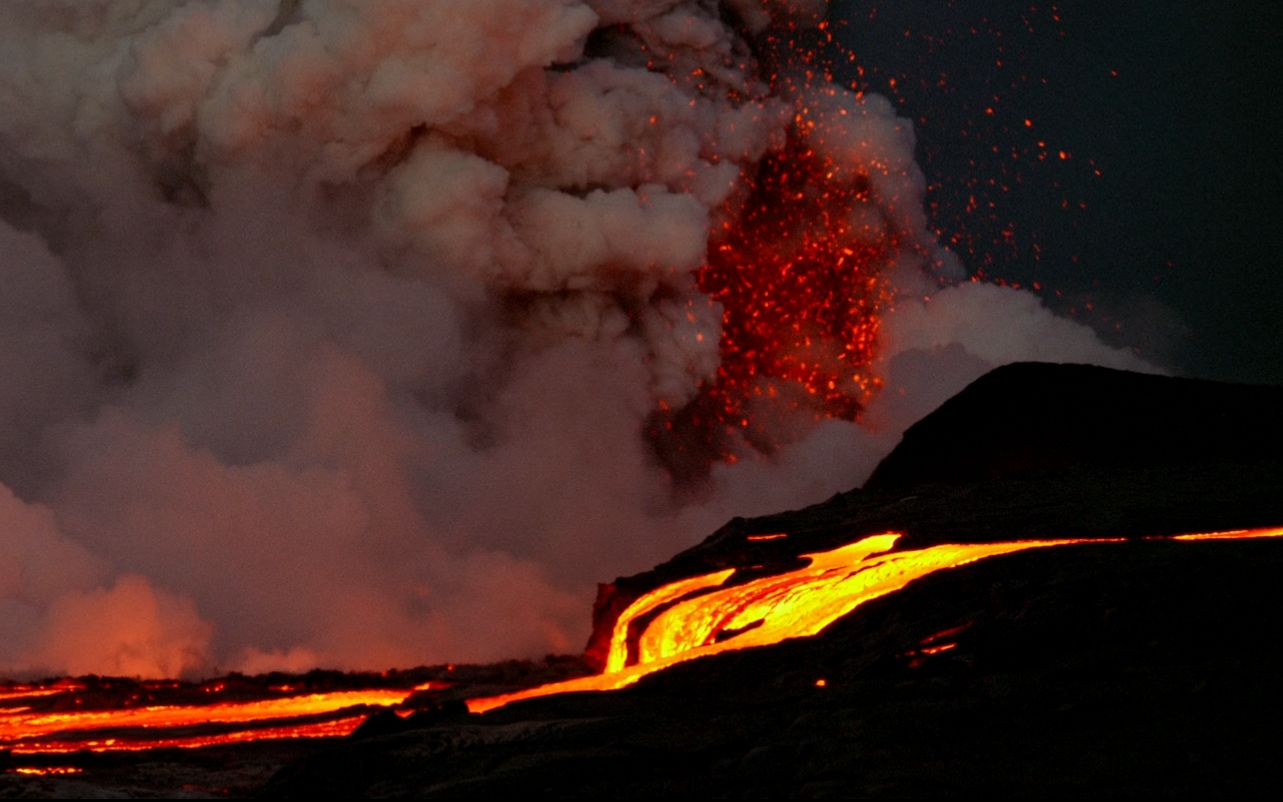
point(1036, 420)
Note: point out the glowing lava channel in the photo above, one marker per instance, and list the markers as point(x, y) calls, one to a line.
point(45, 771)
point(702, 622)
point(335, 728)
point(24, 731)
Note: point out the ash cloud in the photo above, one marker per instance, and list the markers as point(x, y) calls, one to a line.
point(330, 329)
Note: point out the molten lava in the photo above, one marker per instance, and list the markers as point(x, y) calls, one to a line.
point(702, 616)
point(324, 729)
point(45, 771)
point(24, 730)
point(684, 620)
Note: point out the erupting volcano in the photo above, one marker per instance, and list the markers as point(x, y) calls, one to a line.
point(416, 324)
point(339, 337)
point(342, 277)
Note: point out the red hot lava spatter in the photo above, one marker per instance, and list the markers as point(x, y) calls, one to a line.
point(797, 268)
point(801, 292)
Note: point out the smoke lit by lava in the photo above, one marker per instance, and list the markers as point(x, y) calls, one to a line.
point(370, 334)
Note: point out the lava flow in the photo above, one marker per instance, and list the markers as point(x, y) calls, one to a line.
point(704, 616)
point(60, 725)
point(683, 620)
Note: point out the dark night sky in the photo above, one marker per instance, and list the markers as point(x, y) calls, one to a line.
point(1175, 248)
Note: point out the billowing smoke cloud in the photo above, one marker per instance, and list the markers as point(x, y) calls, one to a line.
point(329, 330)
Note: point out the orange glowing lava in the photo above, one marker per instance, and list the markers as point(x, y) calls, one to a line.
point(705, 617)
point(45, 771)
point(1233, 534)
point(324, 729)
point(21, 692)
point(19, 724)
point(684, 620)
point(27, 731)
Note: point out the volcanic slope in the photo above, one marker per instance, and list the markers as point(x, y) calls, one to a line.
point(1028, 420)
point(1145, 667)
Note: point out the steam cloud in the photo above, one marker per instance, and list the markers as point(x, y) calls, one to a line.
point(329, 329)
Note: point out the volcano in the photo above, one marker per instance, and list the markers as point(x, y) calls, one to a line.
point(1125, 660)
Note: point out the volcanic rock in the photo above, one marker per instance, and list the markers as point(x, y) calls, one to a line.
point(1034, 420)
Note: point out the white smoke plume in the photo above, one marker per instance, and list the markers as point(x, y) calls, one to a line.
point(329, 328)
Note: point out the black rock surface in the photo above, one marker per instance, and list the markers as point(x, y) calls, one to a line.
point(1033, 420)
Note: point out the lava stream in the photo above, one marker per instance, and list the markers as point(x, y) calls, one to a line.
point(336, 728)
point(770, 609)
point(684, 620)
point(315, 715)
